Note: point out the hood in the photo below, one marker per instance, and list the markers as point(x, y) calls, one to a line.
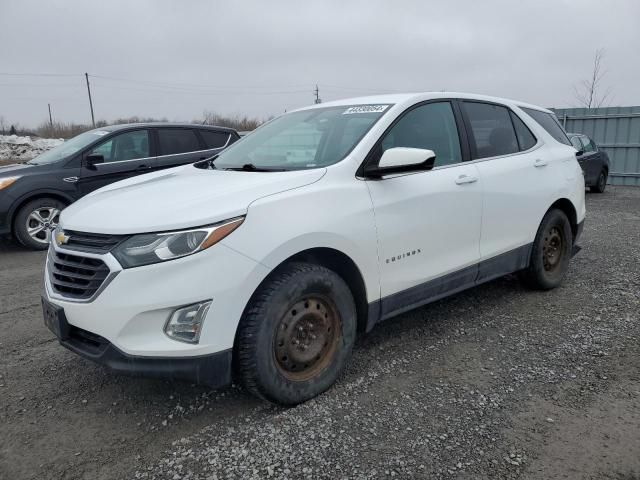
point(14, 169)
point(182, 197)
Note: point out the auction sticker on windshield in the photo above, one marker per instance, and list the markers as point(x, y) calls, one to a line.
point(366, 109)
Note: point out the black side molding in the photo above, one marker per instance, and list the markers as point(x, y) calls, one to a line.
point(454, 282)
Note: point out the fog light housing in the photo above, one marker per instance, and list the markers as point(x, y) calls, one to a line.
point(185, 323)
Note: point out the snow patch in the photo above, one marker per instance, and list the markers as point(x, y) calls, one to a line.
point(22, 149)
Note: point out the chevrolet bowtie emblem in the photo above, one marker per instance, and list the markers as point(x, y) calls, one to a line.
point(61, 238)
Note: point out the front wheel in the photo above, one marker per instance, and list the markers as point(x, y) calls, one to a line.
point(296, 335)
point(601, 184)
point(35, 222)
point(550, 253)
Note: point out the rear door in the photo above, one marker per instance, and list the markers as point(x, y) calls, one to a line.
point(179, 146)
point(126, 154)
point(516, 179)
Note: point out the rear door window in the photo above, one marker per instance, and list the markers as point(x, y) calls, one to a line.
point(491, 129)
point(550, 123)
point(177, 140)
point(214, 139)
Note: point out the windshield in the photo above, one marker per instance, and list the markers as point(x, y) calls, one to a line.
point(301, 140)
point(70, 147)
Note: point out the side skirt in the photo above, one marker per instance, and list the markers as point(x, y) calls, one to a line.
point(454, 282)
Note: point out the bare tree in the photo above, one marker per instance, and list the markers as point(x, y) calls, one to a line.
point(589, 91)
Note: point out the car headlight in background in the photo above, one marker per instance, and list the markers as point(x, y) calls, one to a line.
point(147, 248)
point(7, 181)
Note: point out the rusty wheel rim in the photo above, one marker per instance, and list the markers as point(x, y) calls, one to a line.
point(552, 249)
point(306, 338)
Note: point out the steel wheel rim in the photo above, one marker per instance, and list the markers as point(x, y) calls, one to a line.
point(306, 338)
point(601, 181)
point(552, 249)
point(41, 223)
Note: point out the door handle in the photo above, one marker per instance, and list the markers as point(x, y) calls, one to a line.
point(463, 179)
point(540, 163)
point(143, 167)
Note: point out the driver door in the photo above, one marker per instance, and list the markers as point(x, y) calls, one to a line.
point(428, 222)
point(124, 155)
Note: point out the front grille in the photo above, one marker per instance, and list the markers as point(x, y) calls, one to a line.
point(76, 277)
point(92, 242)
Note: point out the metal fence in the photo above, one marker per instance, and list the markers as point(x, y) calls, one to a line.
point(616, 130)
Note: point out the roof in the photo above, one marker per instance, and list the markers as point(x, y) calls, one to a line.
point(410, 98)
point(122, 126)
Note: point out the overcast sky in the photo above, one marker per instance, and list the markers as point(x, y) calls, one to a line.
point(176, 59)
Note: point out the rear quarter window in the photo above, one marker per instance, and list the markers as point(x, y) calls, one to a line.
point(550, 123)
point(214, 139)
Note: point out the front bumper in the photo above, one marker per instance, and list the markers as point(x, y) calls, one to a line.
point(213, 370)
point(128, 314)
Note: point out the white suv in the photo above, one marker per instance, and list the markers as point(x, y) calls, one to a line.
point(267, 260)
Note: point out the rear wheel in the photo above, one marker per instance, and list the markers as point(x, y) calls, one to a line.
point(296, 334)
point(601, 183)
point(35, 222)
point(550, 253)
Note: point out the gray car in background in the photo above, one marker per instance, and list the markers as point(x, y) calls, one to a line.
point(594, 162)
point(33, 194)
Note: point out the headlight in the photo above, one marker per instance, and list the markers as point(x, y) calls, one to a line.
point(148, 248)
point(5, 182)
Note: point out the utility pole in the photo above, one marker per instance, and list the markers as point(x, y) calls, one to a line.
point(50, 117)
point(93, 120)
point(317, 92)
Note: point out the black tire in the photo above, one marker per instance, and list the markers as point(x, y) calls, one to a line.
point(22, 220)
point(277, 316)
point(601, 183)
point(549, 260)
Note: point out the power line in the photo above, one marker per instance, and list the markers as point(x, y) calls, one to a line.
point(178, 90)
point(191, 85)
point(359, 89)
point(40, 74)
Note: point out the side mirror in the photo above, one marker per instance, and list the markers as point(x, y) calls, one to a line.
point(579, 153)
point(402, 160)
point(93, 159)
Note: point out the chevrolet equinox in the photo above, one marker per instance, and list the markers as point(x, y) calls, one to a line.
point(264, 262)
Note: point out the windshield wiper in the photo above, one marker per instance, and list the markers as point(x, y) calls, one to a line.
point(250, 167)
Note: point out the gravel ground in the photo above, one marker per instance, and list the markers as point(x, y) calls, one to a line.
point(495, 382)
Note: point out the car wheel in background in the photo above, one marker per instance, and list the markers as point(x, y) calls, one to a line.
point(35, 222)
point(550, 253)
point(601, 183)
point(296, 335)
